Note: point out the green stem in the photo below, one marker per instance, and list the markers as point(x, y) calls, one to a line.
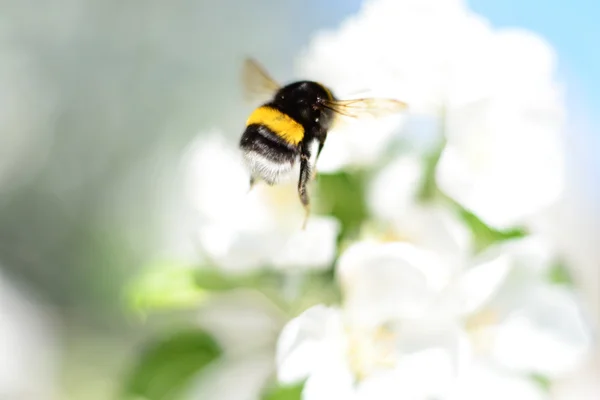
point(429, 189)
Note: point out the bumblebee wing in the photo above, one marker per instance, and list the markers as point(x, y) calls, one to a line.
point(366, 107)
point(257, 83)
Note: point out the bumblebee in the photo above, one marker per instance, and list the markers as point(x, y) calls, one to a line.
point(291, 126)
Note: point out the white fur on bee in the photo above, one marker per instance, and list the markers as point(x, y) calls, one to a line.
point(265, 169)
point(273, 173)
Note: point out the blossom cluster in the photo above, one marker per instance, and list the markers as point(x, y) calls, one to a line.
point(447, 290)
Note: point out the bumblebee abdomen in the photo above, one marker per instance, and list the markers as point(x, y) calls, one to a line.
point(268, 156)
point(277, 122)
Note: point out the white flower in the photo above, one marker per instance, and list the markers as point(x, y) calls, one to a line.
point(393, 49)
point(28, 344)
point(484, 381)
point(491, 92)
point(412, 326)
point(572, 226)
point(241, 230)
point(504, 158)
point(515, 316)
point(381, 344)
point(581, 384)
point(393, 199)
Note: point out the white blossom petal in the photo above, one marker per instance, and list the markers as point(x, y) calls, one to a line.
point(385, 281)
point(430, 355)
point(435, 228)
point(504, 156)
point(331, 379)
point(233, 378)
point(308, 341)
point(530, 260)
point(242, 320)
point(394, 190)
point(478, 284)
point(312, 248)
point(393, 200)
point(581, 384)
point(216, 181)
point(493, 177)
point(548, 335)
point(484, 382)
point(29, 345)
point(237, 250)
point(347, 147)
point(422, 375)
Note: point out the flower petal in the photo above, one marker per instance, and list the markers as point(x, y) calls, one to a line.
point(29, 344)
point(236, 249)
point(242, 320)
point(308, 341)
point(504, 155)
point(435, 228)
point(385, 281)
point(312, 248)
point(346, 146)
point(530, 259)
point(479, 283)
point(395, 188)
point(441, 339)
point(426, 364)
point(423, 375)
point(233, 378)
point(484, 382)
point(219, 195)
point(582, 384)
point(331, 379)
point(483, 171)
point(547, 336)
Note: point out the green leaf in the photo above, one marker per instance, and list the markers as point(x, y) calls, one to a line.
point(429, 189)
point(211, 279)
point(172, 285)
point(543, 381)
point(165, 285)
point(342, 195)
point(167, 366)
point(484, 234)
point(559, 274)
point(283, 392)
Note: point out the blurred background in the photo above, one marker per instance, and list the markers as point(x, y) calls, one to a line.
point(98, 101)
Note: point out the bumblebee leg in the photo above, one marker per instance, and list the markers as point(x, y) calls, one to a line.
point(302, 182)
point(321, 144)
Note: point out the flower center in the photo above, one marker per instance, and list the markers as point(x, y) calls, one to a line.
point(396, 235)
point(388, 234)
point(281, 199)
point(371, 350)
point(481, 329)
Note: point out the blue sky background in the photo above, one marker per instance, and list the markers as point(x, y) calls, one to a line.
point(572, 27)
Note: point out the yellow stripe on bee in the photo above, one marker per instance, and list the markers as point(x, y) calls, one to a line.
point(281, 124)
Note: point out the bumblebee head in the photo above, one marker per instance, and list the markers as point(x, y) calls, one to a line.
point(304, 100)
